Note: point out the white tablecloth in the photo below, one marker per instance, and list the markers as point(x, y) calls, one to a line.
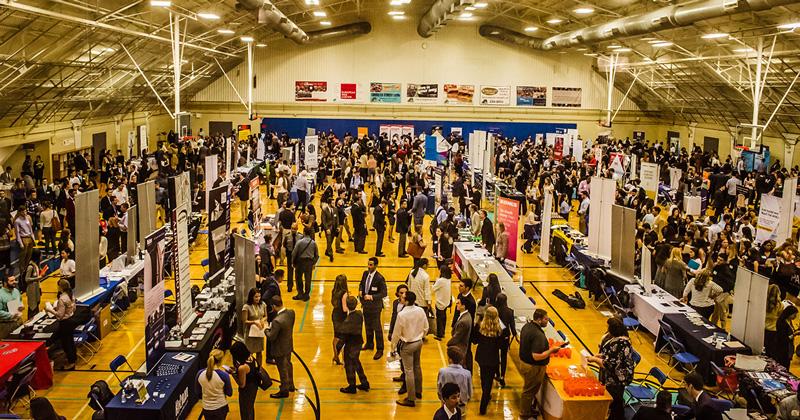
point(650, 309)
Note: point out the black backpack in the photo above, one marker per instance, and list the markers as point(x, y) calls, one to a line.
point(100, 395)
point(435, 221)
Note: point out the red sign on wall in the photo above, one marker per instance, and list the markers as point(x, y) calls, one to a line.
point(348, 91)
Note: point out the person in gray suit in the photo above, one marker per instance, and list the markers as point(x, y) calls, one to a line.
point(419, 207)
point(279, 335)
point(461, 332)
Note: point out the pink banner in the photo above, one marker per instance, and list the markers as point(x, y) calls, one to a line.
point(508, 213)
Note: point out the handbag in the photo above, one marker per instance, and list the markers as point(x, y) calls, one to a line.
point(266, 381)
point(55, 224)
point(415, 250)
point(431, 324)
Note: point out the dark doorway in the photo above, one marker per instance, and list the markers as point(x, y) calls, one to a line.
point(710, 144)
point(98, 144)
point(220, 127)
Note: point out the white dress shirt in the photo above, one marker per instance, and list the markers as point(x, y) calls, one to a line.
point(411, 325)
point(441, 292)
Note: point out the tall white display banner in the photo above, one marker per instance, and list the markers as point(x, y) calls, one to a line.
point(769, 217)
point(675, 177)
point(228, 157)
point(547, 210)
point(634, 173)
point(786, 222)
point(577, 145)
point(261, 148)
point(211, 175)
point(601, 202)
point(646, 274)
point(181, 193)
point(650, 179)
point(749, 308)
point(312, 150)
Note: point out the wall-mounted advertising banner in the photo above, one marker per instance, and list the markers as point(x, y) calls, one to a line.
point(311, 91)
point(154, 334)
point(508, 213)
point(385, 93)
point(349, 93)
point(422, 93)
point(567, 97)
point(408, 130)
point(531, 96)
point(395, 131)
point(459, 94)
point(496, 95)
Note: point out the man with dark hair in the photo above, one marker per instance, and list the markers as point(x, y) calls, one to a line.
point(359, 215)
point(789, 408)
point(8, 293)
point(703, 408)
point(661, 411)
point(534, 355)
point(411, 327)
point(351, 331)
point(450, 402)
point(371, 291)
point(305, 256)
point(461, 332)
point(455, 373)
point(279, 334)
point(403, 224)
point(487, 232)
point(397, 306)
point(379, 223)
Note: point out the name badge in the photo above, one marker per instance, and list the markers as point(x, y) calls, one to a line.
point(374, 289)
point(795, 413)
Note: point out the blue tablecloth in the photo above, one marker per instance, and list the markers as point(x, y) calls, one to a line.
point(104, 296)
point(578, 252)
point(179, 395)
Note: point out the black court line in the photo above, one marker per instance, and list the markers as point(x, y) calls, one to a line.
point(561, 318)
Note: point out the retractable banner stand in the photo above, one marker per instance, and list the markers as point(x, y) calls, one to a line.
point(312, 148)
point(87, 244)
point(769, 216)
point(784, 229)
point(508, 213)
point(704, 192)
point(675, 177)
point(147, 210)
point(181, 196)
point(623, 250)
point(218, 219)
point(749, 308)
point(601, 200)
point(154, 334)
point(244, 269)
point(261, 150)
point(211, 175)
point(649, 177)
point(255, 206)
point(547, 210)
point(228, 157)
point(131, 248)
point(634, 168)
point(646, 275)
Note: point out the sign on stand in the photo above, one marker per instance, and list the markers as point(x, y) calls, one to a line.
point(508, 213)
point(181, 196)
point(154, 334)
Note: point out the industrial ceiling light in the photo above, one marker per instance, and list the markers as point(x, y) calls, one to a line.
point(662, 44)
point(655, 41)
point(554, 21)
point(395, 3)
point(590, 54)
point(531, 29)
point(209, 16)
point(160, 3)
point(614, 46)
point(789, 26)
point(583, 10)
point(325, 23)
point(261, 45)
point(623, 50)
point(312, 2)
point(740, 50)
point(396, 13)
point(466, 15)
point(481, 5)
point(649, 38)
point(320, 14)
point(398, 17)
point(714, 36)
point(582, 49)
point(470, 8)
point(225, 31)
point(247, 38)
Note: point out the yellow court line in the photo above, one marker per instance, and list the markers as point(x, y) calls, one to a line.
point(441, 354)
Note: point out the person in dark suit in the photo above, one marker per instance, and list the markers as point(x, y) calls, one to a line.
point(330, 225)
point(407, 197)
point(451, 398)
point(351, 333)
point(419, 207)
point(660, 412)
point(487, 232)
point(403, 224)
point(279, 335)
point(379, 223)
point(400, 292)
point(359, 215)
point(703, 408)
point(462, 330)
point(271, 286)
point(107, 206)
point(371, 291)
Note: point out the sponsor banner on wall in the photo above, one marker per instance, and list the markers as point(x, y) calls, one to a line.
point(567, 97)
point(311, 91)
point(385, 129)
point(638, 135)
point(218, 217)
point(385, 93)
point(349, 92)
point(312, 146)
point(459, 94)
point(255, 206)
point(422, 93)
point(496, 95)
point(531, 96)
point(508, 213)
point(768, 218)
point(155, 336)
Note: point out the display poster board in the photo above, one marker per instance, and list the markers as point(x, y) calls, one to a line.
point(312, 150)
point(749, 308)
point(438, 179)
point(675, 175)
point(547, 214)
point(531, 95)
point(769, 217)
point(87, 244)
point(431, 152)
point(395, 132)
point(244, 269)
point(601, 200)
point(576, 144)
point(363, 132)
point(638, 136)
point(566, 97)
point(786, 224)
point(218, 222)
point(255, 206)
point(634, 167)
point(407, 130)
point(305, 91)
point(211, 175)
point(508, 213)
point(692, 204)
point(646, 275)
point(154, 334)
point(618, 164)
point(261, 148)
point(147, 210)
point(180, 190)
point(649, 176)
point(623, 250)
point(131, 248)
point(228, 157)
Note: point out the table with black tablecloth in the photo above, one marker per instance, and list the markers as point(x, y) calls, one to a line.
point(691, 336)
point(178, 390)
point(218, 336)
point(82, 315)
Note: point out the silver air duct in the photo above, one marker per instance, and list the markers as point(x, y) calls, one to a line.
point(358, 28)
point(507, 35)
point(440, 12)
point(270, 16)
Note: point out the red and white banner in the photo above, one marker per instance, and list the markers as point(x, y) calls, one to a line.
point(310, 91)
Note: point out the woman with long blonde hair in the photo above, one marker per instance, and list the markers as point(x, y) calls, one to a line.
point(673, 273)
point(489, 338)
point(339, 296)
point(774, 309)
point(215, 383)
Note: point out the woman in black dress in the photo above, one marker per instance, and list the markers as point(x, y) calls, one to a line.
point(784, 336)
point(339, 314)
point(506, 315)
point(488, 337)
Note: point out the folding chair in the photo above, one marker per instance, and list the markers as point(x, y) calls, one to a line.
point(552, 323)
point(722, 405)
point(641, 392)
point(117, 363)
point(608, 291)
point(562, 335)
point(636, 358)
point(117, 305)
point(18, 388)
point(682, 357)
point(724, 383)
point(83, 334)
point(666, 333)
point(632, 324)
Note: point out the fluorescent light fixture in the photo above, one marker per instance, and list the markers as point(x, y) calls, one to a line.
point(649, 38)
point(714, 36)
point(396, 3)
point(662, 44)
point(325, 23)
point(531, 29)
point(554, 21)
point(655, 41)
point(247, 38)
point(470, 8)
point(590, 54)
point(160, 3)
point(583, 10)
point(109, 49)
point(789, 26)
point(480, 5)
point(320, 14)
point(614, 46)
point(740, 50)
point(396, 13)
point(225, 31)
point(261, 45)
point(312, 2)
point(648, 59)
point(582, 49)
point(466, 15)
point(398, 17)
point(623, 50)
point(210, 16)
point(467, 18)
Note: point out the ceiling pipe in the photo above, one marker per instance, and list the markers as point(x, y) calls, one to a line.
point(669, 17)
point(270, 16)
point(358, 28)
point(509, 36)
point(439, 13)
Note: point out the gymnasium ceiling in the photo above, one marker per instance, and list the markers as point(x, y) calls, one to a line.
point(64, 60)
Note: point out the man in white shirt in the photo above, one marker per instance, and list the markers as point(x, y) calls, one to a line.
point(410, 327)
point(583, 212)
point(121, 192)
point(747, 226)
point(650, 218)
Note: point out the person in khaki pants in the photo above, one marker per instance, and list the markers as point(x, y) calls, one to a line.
point(23, 229)
point(724, 275)
point(534, 355)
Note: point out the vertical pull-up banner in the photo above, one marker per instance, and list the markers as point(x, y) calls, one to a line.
point(218, 216)
point(181, 196)
point(650, 179)
point(508, 213)
point(154, 334)
point(87, 243)
point(547, 210)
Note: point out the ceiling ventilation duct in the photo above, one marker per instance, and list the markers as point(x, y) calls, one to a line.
point(503, 34)
point(665, 18)
point(358, 28)
point(439, 13)
point(270, 16)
